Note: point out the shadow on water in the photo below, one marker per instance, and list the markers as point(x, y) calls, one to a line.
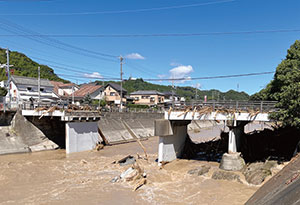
point(280, 144)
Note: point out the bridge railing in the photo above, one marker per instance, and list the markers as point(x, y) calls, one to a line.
point(262, 106)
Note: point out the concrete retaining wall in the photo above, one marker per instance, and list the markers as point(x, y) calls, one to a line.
point(23, 136)
point(125, 127)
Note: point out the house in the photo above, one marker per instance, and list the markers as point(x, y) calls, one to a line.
point(63, 90)
point(169, 96)
point(22, 89)
point(93, 90)
point(148, 97)
point(112, 93)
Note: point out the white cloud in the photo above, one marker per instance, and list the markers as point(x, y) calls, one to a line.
point(135, 56)
point(93, 75)
point(175, 64)
point(181, 71)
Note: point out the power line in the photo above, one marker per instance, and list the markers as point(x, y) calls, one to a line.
point(211, 77)
point(57, 44)
point(154, 34)
point(119, 11)
point(74, 68)
point(88, 77)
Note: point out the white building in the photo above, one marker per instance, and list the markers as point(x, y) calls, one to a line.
point(22, 89)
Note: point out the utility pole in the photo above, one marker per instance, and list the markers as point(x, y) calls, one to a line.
point(172, 92)
point(39, 85)
point(73, 94)
point(121, 75)
point(8, 76)
point(196, 94)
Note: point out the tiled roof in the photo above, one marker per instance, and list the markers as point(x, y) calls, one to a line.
point(30, 81)
point(86, 89)
point(117, 87)
point(58, 85)
point(146, 92)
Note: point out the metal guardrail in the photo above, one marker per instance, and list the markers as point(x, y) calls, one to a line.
point(261, 106)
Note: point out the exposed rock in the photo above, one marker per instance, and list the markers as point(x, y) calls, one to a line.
point(225, 175)
point(256, 173)
point(200, 170)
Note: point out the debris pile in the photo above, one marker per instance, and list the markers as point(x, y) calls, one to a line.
point(134, 174)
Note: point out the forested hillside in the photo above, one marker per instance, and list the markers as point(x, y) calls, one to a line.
point(24, 66)
point(186, 91)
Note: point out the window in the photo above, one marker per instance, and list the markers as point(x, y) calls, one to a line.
point(152, 99)
point(136, 98)
point(145, 97)
point(112, 94)
point(42, 89)
point(29, 88)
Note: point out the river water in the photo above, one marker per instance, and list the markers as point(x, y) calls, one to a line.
point(52, 177)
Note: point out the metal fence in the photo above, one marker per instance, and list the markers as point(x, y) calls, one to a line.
point(261, 106)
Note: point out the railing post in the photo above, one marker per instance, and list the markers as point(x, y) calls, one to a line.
point(261, 106)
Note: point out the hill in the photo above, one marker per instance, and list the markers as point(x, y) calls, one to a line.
point(24, 66)
point(184, 91)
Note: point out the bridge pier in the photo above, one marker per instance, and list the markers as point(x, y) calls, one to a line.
point(172, 137)
point(232, 160)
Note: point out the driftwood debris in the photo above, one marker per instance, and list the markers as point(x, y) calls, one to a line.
point(143, 147)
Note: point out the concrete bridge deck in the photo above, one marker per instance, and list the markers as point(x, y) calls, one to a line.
point(172, 130)
point(76, 115)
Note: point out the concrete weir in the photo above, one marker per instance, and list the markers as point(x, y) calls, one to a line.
point(173, 131)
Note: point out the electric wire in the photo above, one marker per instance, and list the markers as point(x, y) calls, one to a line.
point(222, 33)
point(118, 11)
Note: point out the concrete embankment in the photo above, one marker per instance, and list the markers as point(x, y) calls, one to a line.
point(18, 135)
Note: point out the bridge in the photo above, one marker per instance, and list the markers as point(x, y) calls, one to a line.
point(172, 130)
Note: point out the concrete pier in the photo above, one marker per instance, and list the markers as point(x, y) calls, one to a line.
point(172, 132)
point(172, 136)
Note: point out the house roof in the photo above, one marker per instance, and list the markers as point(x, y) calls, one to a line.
point(146, 92)
point(169, 93)
point(87, 89)
point(117, 87)
point(58, 85)
point(21, 80)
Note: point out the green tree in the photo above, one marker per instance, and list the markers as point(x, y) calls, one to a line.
point(87, 99)
point(285, 88)
point(3, 92)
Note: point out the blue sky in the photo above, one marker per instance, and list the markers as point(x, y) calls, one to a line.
point(192, 56)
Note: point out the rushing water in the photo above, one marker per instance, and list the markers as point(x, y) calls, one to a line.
point(52, 177)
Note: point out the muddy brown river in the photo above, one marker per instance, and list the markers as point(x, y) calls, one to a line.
point(52, 177)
